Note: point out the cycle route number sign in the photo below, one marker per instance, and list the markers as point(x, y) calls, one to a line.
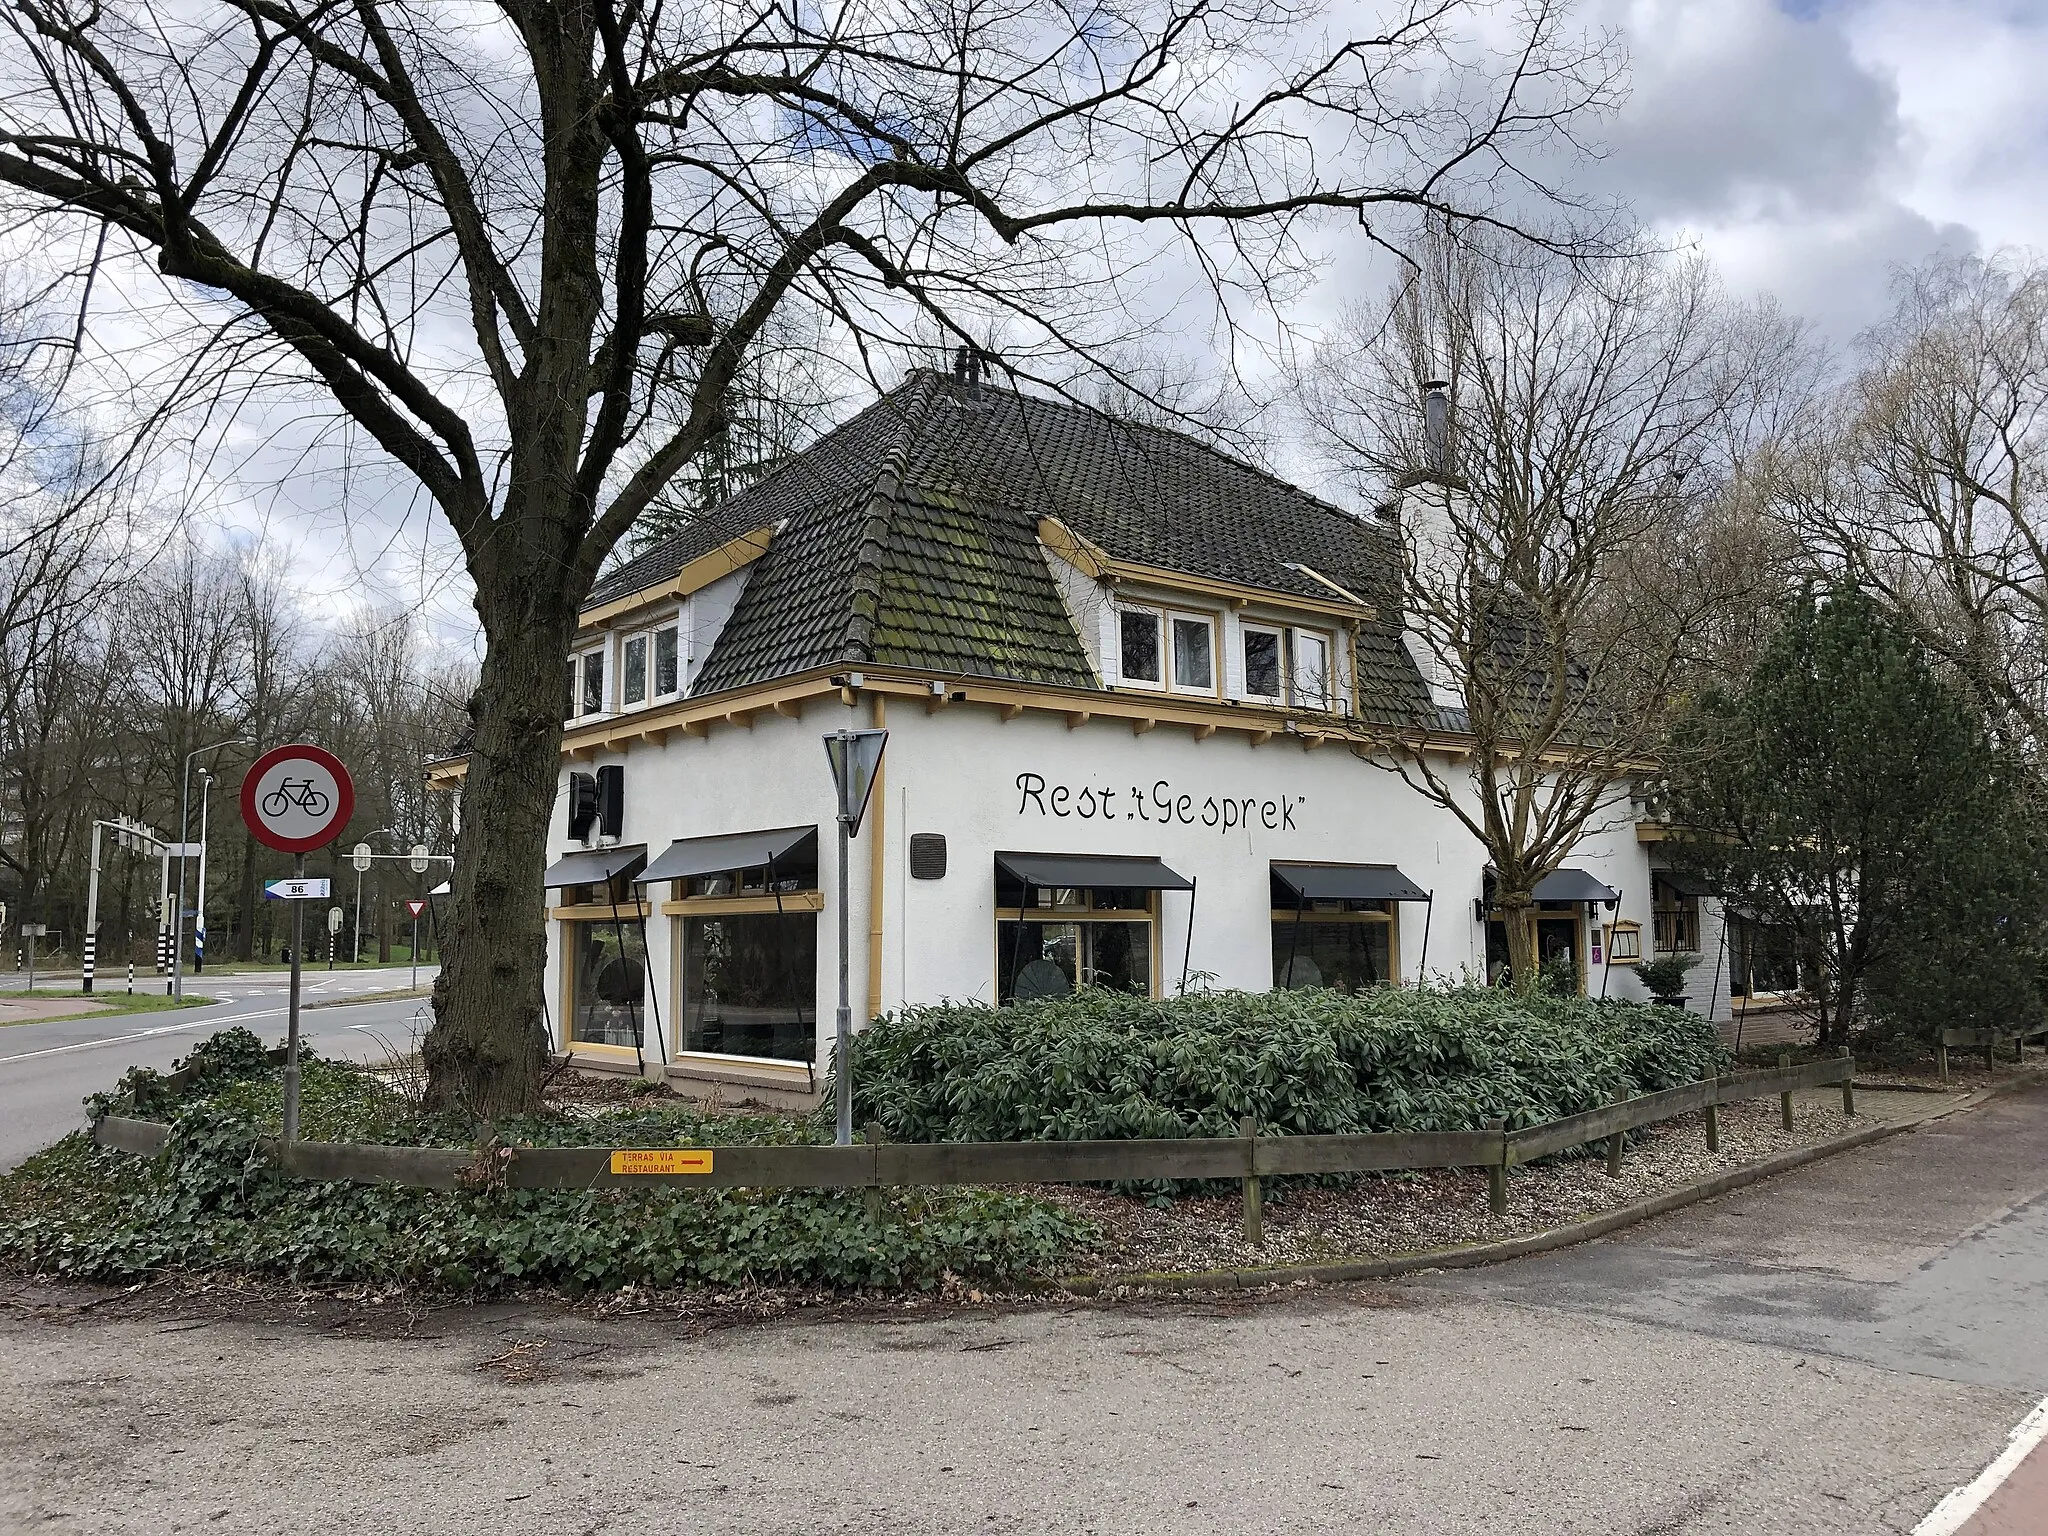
point(297, 798)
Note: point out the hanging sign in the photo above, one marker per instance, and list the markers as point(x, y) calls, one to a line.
point(297, 798)
point(295, 890)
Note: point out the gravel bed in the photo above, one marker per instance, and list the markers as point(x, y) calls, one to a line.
point(1380, 1217)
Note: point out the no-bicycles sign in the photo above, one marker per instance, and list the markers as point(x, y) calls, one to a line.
point(297, 798)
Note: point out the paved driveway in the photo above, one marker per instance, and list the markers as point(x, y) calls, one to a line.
point(1828, 1353)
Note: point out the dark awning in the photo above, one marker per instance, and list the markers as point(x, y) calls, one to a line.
point(594, 867)
point(1572, 885)
point(688, 856)
point(1683, 883)
point(1092, 869)
point(1348, 882)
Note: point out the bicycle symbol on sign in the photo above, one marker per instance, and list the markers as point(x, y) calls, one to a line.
point(295, 792)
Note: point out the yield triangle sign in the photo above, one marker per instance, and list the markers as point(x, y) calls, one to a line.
point(415, 907)
point(855, 757)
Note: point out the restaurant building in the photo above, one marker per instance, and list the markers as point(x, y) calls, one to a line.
point(1126, 681)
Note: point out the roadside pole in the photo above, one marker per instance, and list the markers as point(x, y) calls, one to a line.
point(854, 756)
point(295, 799)
point(92, 913)
point(291, 1015)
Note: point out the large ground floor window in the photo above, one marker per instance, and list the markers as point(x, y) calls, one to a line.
point(750, 984)
point(607, 981)
point(1765, 960)
point(1348, 945)
point(1050, 940)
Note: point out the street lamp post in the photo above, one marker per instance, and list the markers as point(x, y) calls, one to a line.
point(199, 895)
point(361, 858)
point(177, 987)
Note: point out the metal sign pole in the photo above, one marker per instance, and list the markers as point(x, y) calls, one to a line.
point(92, 911)
point(415, 952)
point(291, 1028)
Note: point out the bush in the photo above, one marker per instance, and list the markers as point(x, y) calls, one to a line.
point(1104, 1064)
point(211, 1200)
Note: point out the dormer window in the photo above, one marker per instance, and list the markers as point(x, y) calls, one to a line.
point(668, 674)
point(1166, 650)
point(633, 671)
point(1139, 630)
point(1263, 672)
point(586, 684)
point(1311, 669)
point(1194, 655)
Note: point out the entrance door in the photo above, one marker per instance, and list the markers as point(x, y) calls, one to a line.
point(1557, 934)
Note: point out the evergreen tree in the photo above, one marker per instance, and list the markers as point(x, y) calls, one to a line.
point(1849, 796)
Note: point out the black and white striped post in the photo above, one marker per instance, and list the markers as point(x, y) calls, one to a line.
point(86, 970)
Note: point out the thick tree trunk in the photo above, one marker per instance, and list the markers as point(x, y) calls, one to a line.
point(488, 1049)
point(1518, 917)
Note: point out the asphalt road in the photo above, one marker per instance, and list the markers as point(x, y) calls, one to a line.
point(46, 1070)
point(1829, 1352)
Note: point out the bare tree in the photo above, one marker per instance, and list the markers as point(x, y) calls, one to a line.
point(1925, 479)
point(1543, 423)
point(527, 252)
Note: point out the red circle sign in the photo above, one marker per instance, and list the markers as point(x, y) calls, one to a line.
point(297, 798)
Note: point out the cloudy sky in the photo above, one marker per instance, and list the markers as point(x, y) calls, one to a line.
point(1808, 146)
point(1812, 146)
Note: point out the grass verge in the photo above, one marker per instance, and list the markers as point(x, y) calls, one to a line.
point(110, 1004)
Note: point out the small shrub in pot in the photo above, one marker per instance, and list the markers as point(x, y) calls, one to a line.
point(1665, 977)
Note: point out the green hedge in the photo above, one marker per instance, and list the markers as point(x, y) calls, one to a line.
point(1104, 1064)
point(210, 1201)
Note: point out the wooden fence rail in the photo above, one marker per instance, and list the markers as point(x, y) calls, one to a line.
point(875, 1164)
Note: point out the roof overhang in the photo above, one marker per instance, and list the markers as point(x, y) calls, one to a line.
point(1093, 561)
point(698, 574)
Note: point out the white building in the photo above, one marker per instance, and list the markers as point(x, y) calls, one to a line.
point(1124, 678)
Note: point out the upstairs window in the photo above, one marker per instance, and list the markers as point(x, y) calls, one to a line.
point(1139, 639)
point(1161, 649)
point(1262, 670)
point(1312, 678)
point(585, 685)
point(633, 671)
point(667, 662)
point(1194, 654)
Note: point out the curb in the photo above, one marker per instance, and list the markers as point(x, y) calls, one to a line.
point(1476, 1255)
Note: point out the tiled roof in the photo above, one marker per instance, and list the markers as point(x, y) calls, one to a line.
point(910, 538)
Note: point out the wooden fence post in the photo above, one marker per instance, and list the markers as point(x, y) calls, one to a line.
point(1614, 1145)
point(1942, 1050)
point(872, 1135)
point(1497, 1173)
point(1254, 1203)
point(1849, 1084)
point(1785, 1098)
point(1713, 1127)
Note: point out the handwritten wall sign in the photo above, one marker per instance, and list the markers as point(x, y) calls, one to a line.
point(1158, 802)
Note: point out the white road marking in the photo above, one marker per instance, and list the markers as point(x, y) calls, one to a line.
point(1953, 1512)
point(171, 1029)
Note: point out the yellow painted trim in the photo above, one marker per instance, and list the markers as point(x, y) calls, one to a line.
point(682, 1061)
point(698, 574)
point(592, 912)
point(742, 906)
point(1090, 560)
point(1345, 593)
point(1142, 711)
point(1083, 554)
